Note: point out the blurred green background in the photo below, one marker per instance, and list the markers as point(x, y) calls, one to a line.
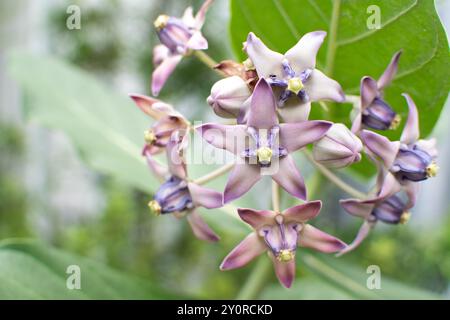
point(48, 193)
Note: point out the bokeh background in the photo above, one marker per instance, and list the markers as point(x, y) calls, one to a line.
point(48, 193)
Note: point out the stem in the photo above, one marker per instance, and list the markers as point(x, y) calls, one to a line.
point(208, 61)
point(345, 282)
point(332, 44)
point(214, 174)
point(275, 197)
point(334, 178)
point(255, 282)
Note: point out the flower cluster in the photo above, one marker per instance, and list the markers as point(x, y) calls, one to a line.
point(268, 97)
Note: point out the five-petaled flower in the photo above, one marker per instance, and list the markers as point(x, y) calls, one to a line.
point(411, 159)
point(387, 206)
point(279, 234)
point(168, 121)
point(293, 75)
point(178, 38)
point(373, 111)
point(257, 147)
point(180, 196)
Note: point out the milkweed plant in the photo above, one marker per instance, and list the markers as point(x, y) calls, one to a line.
point(265, 102)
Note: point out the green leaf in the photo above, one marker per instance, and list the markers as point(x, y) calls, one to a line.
point(105, 126)
point(30, 270)
point(352, 51)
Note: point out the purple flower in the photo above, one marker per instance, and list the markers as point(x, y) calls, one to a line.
point(410, 159)
point(180, 197)
point(293, 75)
point(263, 146)
point(167, 122)
point(374, 112)
point(338, 148)
point(178, 37)
point(279, 234)
point(388, 206)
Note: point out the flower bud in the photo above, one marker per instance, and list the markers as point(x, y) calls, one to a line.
point(338, 148)
point(228, 96)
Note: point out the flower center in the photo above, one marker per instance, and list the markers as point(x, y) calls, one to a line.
point(404, 218)
point(295, 85)
point(149, 137)
point(154, 207)
point(395, 122)
point(432, 170)
point(161, 22)
point(285, 255)
point(264, 155)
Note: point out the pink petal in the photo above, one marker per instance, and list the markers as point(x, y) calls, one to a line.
point(303, 55)
point(200, 228)
point(160, 53)
point(228, 137)
point(357, 208)
point(266, 61)
point(390, 186)
point(240, 180)
point(303, 212)
point(244, 252)
point(262, 114)
point(188, 17)
point(197, 42)
point(380, 146)
point(285, 271)
point(320, 87)
point(257, 218)
point(294, 136)
point(410, 133)
point(311, 237)
point(205, 197)
point(289, 178)
point(357, 123)
point(163, 71)
point(390, 71)
point(295, 110)
point(151, 106)
point(200, 16)
point(369, 91)
point(362, 234)
point(159, 170)
point(175, 160)
point(412, 191)
point(429, 146)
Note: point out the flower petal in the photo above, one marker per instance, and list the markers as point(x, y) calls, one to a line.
point(159, 170)
point(266, 61)
point(390, 186)
point(262, 114)
point(244, 252)
point(294, 136)
point(201, 13)
point(197, 42)
point(357, 207)
point(320, 87)
point(151, 106)
point(205, 197)
point(303, 212)
point(410, 133)
point(257, 218)
point(380, 146)
point(389, 73)
point(311, 237)
point(285, 271)
point(303, 55)
point(240, 180)
point(175, 161)
point(289, 178)
point(369, 91)
point(295, 110)
point(228, 137)
point(163, 71)
point(362, 234)
point(200, 228)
